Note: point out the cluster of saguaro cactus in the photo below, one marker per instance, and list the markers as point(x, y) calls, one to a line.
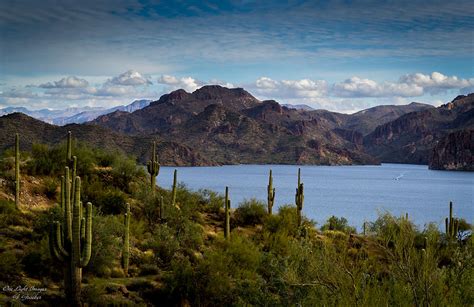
point(126, 241)
point(153, 167)
point(17, 171)
point(174, 188)
point(452, 224)
point(299, 198)
point(71, 240)
point(227, 214)
point(270, 193)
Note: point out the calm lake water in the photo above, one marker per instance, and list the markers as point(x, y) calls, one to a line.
point(357, 193)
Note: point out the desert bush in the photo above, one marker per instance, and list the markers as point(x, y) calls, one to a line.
point(335, 223)
point(50, 187)
point(213, 202)
point(9, 215)
point(106, 243)
point(250, 212)
point(10, 267)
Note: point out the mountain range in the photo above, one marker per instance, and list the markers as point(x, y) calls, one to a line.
point(215, 125)
point(74, 115)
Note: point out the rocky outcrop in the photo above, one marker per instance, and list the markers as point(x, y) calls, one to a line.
point(454, 152)
point(411, 137)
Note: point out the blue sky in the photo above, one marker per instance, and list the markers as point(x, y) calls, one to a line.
point(338, 55)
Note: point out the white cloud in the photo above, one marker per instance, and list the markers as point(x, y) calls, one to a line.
point(436, 82)
point(268, 88)
point(358, 87)
point(189, 84)
point(410, 85)
point(67, 82)
point(130, 78)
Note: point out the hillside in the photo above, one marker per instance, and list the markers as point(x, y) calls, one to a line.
point(411, 137)
point(232, 126)
point(36, 131)
point(366, 121)
point(178, 253)
point(454, 152)
point(215, 125)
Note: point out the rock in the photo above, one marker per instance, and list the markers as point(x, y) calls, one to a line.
point(454, 152)
point(124, 290)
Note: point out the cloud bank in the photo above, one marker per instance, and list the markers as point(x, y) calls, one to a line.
point(351, 94)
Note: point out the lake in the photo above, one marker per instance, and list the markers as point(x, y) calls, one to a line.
point(357, 193)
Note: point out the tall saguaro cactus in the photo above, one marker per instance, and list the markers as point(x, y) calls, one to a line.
point(270, 193)
point(299, 198)
point(161, 209)
point(153, 167)
point(174, 188)
point(227, 214)
point(126, 241)
point(452, 224)
point(71, 241)
point(17, 171)
point(69, 149)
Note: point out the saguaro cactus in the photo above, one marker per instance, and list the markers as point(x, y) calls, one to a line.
point(227, 214)
point(153, 167)
point(270, 193)
point(69, 160)
point(299, 198)
point(17, 171)
point(174, 188)
point(70, 242)
point(452, 224)
point(126, 241)
point(161, 209)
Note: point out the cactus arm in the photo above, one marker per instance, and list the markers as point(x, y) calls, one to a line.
point(83, 229)
point(58, 245)
point(87, 243)
point(55, 253)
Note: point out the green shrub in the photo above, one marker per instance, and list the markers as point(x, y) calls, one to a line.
point(340, 224)
point(213, 202)
point(106, 243)
point(50, 187)
point(250, 212)
point(149, 269)
point(10, 267)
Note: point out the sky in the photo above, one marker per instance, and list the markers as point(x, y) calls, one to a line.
point(342, 56)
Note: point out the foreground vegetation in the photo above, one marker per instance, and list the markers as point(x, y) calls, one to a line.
point(151, 246)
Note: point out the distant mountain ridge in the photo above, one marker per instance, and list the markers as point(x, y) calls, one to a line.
point(74, 115)
point(215, 125)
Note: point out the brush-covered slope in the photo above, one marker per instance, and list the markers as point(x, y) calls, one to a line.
point(411, 137)
point(33, 131)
